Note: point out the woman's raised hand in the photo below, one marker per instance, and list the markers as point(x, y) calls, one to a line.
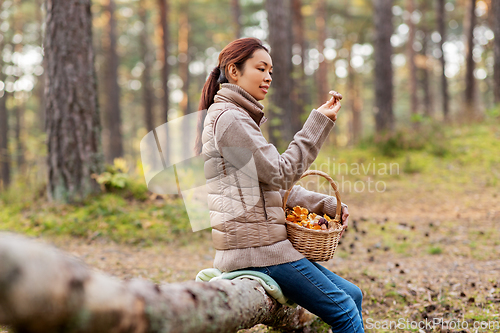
point(332, 106)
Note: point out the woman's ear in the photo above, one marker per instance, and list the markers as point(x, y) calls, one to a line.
point(233, 72)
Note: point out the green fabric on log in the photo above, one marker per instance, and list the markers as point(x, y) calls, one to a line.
point(271, 287)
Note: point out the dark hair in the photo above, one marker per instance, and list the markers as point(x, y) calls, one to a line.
point(237, 52)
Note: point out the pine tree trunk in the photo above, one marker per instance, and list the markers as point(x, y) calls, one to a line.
point(184, 60)
point(112, 106)
point(354, 103)
point(425, 81)
point(300, 93)
point(18, 109)
point(278, 16)
point(73, 125)
point(410, 7)
point(40, 85)
point(322, 71)
point(235, 7)
point(147, 59)
point(444, 81)
point(384, 116)
point(496, 49)
point(165, 71)
point(20, 161)
point(4, 127)
point(4, 138)
point(469, 71)
point(45, 290)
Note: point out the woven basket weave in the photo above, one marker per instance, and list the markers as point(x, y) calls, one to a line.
point(315, 245)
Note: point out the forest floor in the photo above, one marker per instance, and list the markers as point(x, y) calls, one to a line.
point(425, 251)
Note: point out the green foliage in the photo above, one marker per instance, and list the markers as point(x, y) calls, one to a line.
point(108, 216)
point(117, 180)
point(434, 250)
point(115, 175)
point(428, 136)
point(494, 112)
point(411, 167)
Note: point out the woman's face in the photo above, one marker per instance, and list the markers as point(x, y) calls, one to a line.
point(256, 77)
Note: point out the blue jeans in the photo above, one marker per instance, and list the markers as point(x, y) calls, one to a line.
point(335, 300)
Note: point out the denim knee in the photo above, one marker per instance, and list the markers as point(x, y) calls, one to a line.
point(357, 294)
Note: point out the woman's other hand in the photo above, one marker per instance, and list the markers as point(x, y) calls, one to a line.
point(332, 106)
point(345, 219)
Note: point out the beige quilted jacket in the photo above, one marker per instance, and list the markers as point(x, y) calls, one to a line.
point(247, 178)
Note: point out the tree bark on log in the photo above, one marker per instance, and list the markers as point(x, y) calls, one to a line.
point(42, 289)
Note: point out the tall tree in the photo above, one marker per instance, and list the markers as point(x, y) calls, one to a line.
point(470, 23)
point(165, 70)
point(278, 16)
point(300, 95)
point(423, 63)
point(427, 101)
point(73, 123)
point(19, 101)
point(147, 60)
point(321, 15)
point(40, 85)
point(113, 121)
point(410, 7)
point(444, 81)
point(19, 113)
point(236, 9)
point(354, 100)
point(384, 116)
point(4, 129)
point(184, 60)
point(4, 125)
point(496, 47)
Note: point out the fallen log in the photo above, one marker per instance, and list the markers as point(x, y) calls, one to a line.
point(43, 289)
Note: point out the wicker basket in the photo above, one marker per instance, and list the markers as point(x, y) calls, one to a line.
point(315, 245)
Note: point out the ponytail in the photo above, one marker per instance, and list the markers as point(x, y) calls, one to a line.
point(208, 93)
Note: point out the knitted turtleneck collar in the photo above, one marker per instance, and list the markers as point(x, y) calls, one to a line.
point(235, 94)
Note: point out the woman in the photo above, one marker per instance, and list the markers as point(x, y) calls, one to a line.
point(247, 179)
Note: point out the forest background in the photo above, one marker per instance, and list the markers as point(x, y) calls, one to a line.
point(421, 87)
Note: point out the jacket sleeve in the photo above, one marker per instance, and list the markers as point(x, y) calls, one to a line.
point(315, 202)
point(240, 140)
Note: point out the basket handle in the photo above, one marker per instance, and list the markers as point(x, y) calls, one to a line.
point(332, 183)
